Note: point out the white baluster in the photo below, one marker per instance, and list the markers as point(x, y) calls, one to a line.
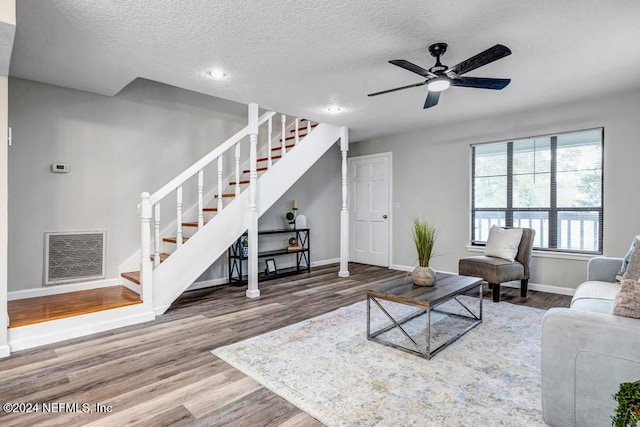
point(179, 216)
point(146, 265)
point(297, 130)
point(237, 169)
point(156, 235)
point(308, 127)
point(200, 201)
point(269, 136)
point(219, 183)
point(284, 135)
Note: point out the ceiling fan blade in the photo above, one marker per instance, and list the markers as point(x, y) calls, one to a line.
point(432, 99)
point(483, 58)
point(481, 82)
point(412, 67)
point(398, 88)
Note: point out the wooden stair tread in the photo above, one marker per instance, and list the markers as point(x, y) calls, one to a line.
point(303, 127)
point(29, 311)
point(264, 159)
point(209, 209)
point(174, 239)
point(289, 138)
point(288, 147)
point(195, 223)
point(132, 276)
point(257, 170)
point(163, 256)
point(215, 196)
point(244, 181)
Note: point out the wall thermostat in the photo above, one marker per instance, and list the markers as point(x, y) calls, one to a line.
point(60, 168)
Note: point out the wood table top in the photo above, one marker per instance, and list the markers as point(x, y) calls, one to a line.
point(404, 291)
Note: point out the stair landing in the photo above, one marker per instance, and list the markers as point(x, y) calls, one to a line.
point(29, 311)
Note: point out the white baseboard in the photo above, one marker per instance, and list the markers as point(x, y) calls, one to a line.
point(160, 310)
point(561, 290)
point(5, 351)
point(325, 262)
point(208, 283)
point(550, 289)
point(401, 267)
point(225, 280)
point(29, 336)
point(61, 289)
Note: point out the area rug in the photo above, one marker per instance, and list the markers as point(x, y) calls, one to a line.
point(326, 367)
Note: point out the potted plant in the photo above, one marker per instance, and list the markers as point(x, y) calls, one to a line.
point(424, 237)
point(628, 410)
point(291, 217)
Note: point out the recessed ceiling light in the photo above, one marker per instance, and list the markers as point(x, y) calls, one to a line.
point(216, 74)
point(334, 109)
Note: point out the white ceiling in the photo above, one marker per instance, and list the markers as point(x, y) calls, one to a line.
point(299, 57)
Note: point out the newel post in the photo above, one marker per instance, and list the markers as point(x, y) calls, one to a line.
point(252, 232)
point(344, 212)
point(146, 264)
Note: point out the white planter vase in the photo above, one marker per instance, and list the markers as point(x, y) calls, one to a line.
point(423, 276)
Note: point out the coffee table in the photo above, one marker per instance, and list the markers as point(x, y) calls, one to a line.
point(448, 287)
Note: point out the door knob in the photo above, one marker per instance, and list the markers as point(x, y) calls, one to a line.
point(384, 216)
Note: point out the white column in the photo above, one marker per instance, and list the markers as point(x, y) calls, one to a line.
point(344, 212)
point(252, 289)
point(146, 265)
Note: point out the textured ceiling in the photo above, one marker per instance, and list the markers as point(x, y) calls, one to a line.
point(299, 57)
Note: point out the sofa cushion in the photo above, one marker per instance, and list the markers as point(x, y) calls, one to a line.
point(627, 300)
point(595, 296)
point(627, 257)
point(503, 243)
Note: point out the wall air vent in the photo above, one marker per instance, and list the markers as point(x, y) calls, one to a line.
point(74, 256)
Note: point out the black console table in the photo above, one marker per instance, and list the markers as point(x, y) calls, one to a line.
point(303, 258)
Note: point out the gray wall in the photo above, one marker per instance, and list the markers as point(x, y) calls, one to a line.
point(431, 176)
point(116, 146)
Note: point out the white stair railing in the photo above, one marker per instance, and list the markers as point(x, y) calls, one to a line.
point(149, 209)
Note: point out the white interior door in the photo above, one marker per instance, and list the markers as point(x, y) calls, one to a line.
point(369, 206)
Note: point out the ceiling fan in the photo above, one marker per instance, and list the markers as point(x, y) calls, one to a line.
point(440, 77)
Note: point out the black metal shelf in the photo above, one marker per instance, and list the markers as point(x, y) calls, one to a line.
point(303, 256)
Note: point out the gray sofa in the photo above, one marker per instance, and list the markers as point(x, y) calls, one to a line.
point(587, 352)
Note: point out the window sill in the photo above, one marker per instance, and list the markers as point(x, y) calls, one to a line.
point(545, 254)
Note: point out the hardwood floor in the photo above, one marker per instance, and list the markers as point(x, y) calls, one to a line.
point(41, 309)
point(162, 372)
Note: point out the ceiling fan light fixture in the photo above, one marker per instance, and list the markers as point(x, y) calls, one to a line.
point(438, 84)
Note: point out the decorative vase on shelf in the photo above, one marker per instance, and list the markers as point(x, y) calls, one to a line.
point(423, 276)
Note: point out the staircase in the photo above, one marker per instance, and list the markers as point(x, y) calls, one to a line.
point(262, 165)
point(251, 171)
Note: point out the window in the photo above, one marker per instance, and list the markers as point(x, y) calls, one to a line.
point(551, 183)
